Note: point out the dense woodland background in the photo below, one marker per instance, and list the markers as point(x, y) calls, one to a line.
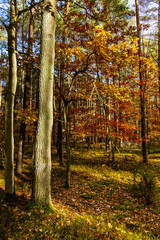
point(80, 119)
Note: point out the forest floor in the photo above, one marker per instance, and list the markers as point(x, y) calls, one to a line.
point(106, 200)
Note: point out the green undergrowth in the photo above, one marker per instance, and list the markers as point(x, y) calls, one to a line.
point(33, 222)
point(126, 164)
point(103, 172)
point(104, 180)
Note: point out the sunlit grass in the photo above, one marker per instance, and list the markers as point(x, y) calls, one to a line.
point(104, 172)
point(2, 181)
point(38, 223)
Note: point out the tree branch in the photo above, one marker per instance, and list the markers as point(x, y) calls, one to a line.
point(96, 18)
point(28, 8)
point(3, 23)
point(157, 106)
point(77, 72)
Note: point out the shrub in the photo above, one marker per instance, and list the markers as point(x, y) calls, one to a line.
point(145, 185)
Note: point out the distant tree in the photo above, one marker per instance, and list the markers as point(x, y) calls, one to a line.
point(10, 92)
point(142, 90)
point(27, 100)
point(61, 81)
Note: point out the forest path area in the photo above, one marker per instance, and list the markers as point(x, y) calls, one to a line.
point(99, 189)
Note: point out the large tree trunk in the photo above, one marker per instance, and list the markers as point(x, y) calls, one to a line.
point(42, 164)
point(10, 96)
point(142, 91)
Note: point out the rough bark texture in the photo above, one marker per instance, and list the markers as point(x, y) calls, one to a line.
point(42, 164)
point(10, 96)
point(142, 91)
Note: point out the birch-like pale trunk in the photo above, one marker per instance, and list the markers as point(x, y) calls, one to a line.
point(10, 96)
point(42, 163)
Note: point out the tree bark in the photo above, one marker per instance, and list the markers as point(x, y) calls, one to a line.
point(10, 96)
point(42, 164)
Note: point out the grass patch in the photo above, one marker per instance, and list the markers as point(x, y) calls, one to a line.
point(35, 223)
point(95, 182)
point(120, 207)
point(145, 185)
point(103, 172)
point(90, 196)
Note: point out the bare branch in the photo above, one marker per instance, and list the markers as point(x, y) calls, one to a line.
point(157, 106)
point(79, 71)
point(28, 8)
point(101, 99)
point(92, 16)
point(3, 23)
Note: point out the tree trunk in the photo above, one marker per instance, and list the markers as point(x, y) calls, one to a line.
point(27, 101)
point(1, 64)
point(20, 148)
point(54, 111)
point(107, 114)
point(0, 94)
point(67, 146)
point(42, 164)
point(21, 137)
point(10, 96)
point(28, 83)
point(59, 134)
point(61, 80)
point(142, 91)
point(113, 149)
